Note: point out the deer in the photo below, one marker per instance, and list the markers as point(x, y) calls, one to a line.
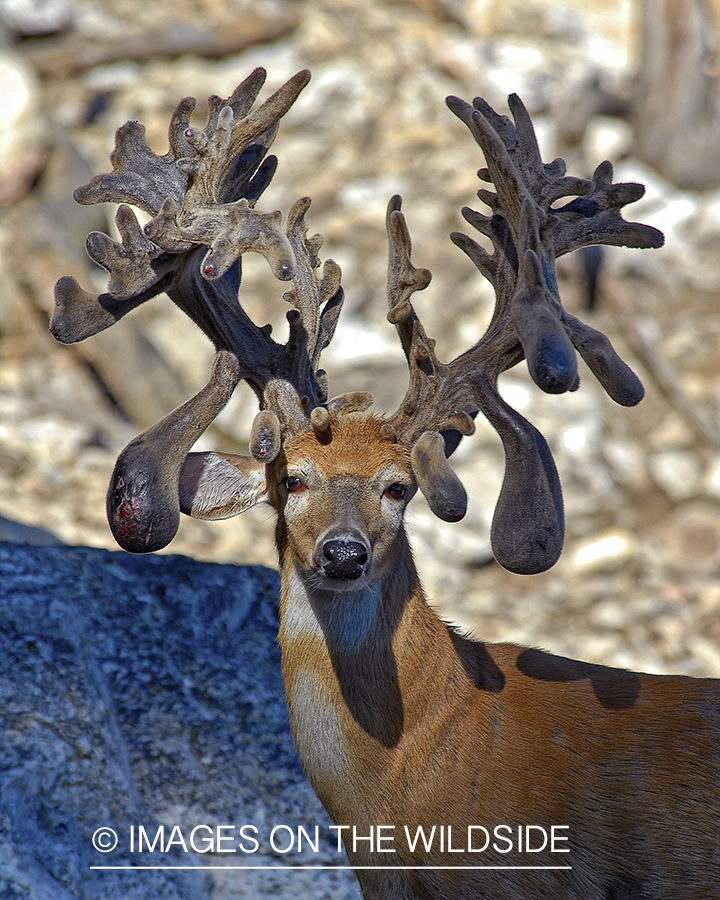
point(452, 768)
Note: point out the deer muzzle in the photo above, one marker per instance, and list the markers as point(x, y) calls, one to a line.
point(343, 555)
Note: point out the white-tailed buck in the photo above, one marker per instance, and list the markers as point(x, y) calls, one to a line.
point(457, 769)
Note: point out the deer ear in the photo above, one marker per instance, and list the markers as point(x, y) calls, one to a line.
point(220, 485)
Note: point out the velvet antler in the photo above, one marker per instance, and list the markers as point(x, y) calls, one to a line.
point(202, 195)
point(528, 232)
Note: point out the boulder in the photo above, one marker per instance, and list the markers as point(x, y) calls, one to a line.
point(145, 693)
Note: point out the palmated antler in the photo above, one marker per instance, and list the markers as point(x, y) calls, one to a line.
point(528, 232)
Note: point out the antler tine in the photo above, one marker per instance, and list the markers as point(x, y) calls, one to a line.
point(143, 503)
point(527, 234)
point(261, 125)
point(596, 218)
point(427, 373)
point(301, 387)
point(403, 278)
point(300, 395)
point(432, 417)
point(319, 300)
point(240, 101)
point(139, 176)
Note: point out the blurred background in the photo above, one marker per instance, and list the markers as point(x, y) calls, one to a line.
point(633, 81)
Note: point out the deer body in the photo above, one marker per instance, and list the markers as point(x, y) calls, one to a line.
point(401, 723)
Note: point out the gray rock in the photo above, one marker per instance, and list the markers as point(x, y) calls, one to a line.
point(18, 533)
point(678, 472)
point(146, 691)
point(23, 128)
point(36, 17)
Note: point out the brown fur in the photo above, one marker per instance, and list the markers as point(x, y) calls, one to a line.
point(400, 721)
point(357, 446)
point(440, 730)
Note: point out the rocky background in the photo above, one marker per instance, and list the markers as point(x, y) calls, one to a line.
point(635, 81)
point(637, 585)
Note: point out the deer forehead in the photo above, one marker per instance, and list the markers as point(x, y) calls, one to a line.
point(356, 448)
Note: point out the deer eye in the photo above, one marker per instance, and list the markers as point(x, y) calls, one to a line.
point(396, 491)
point(293, 484)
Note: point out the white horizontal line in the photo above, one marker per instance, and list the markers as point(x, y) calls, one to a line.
point(335, 868)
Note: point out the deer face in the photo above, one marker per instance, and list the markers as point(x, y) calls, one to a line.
point(341, 498)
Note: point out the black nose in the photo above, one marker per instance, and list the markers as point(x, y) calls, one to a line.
point(345, 558)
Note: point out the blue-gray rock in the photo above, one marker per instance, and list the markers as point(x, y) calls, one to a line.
point(146, 691)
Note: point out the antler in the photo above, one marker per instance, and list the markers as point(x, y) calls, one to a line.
point(527, 233)
point(202, 196)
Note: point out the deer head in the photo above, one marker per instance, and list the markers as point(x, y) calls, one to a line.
point(202, 197)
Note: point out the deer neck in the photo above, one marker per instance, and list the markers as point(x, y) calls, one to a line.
point(365, 673)
point(361, 660)
point(348, 621)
